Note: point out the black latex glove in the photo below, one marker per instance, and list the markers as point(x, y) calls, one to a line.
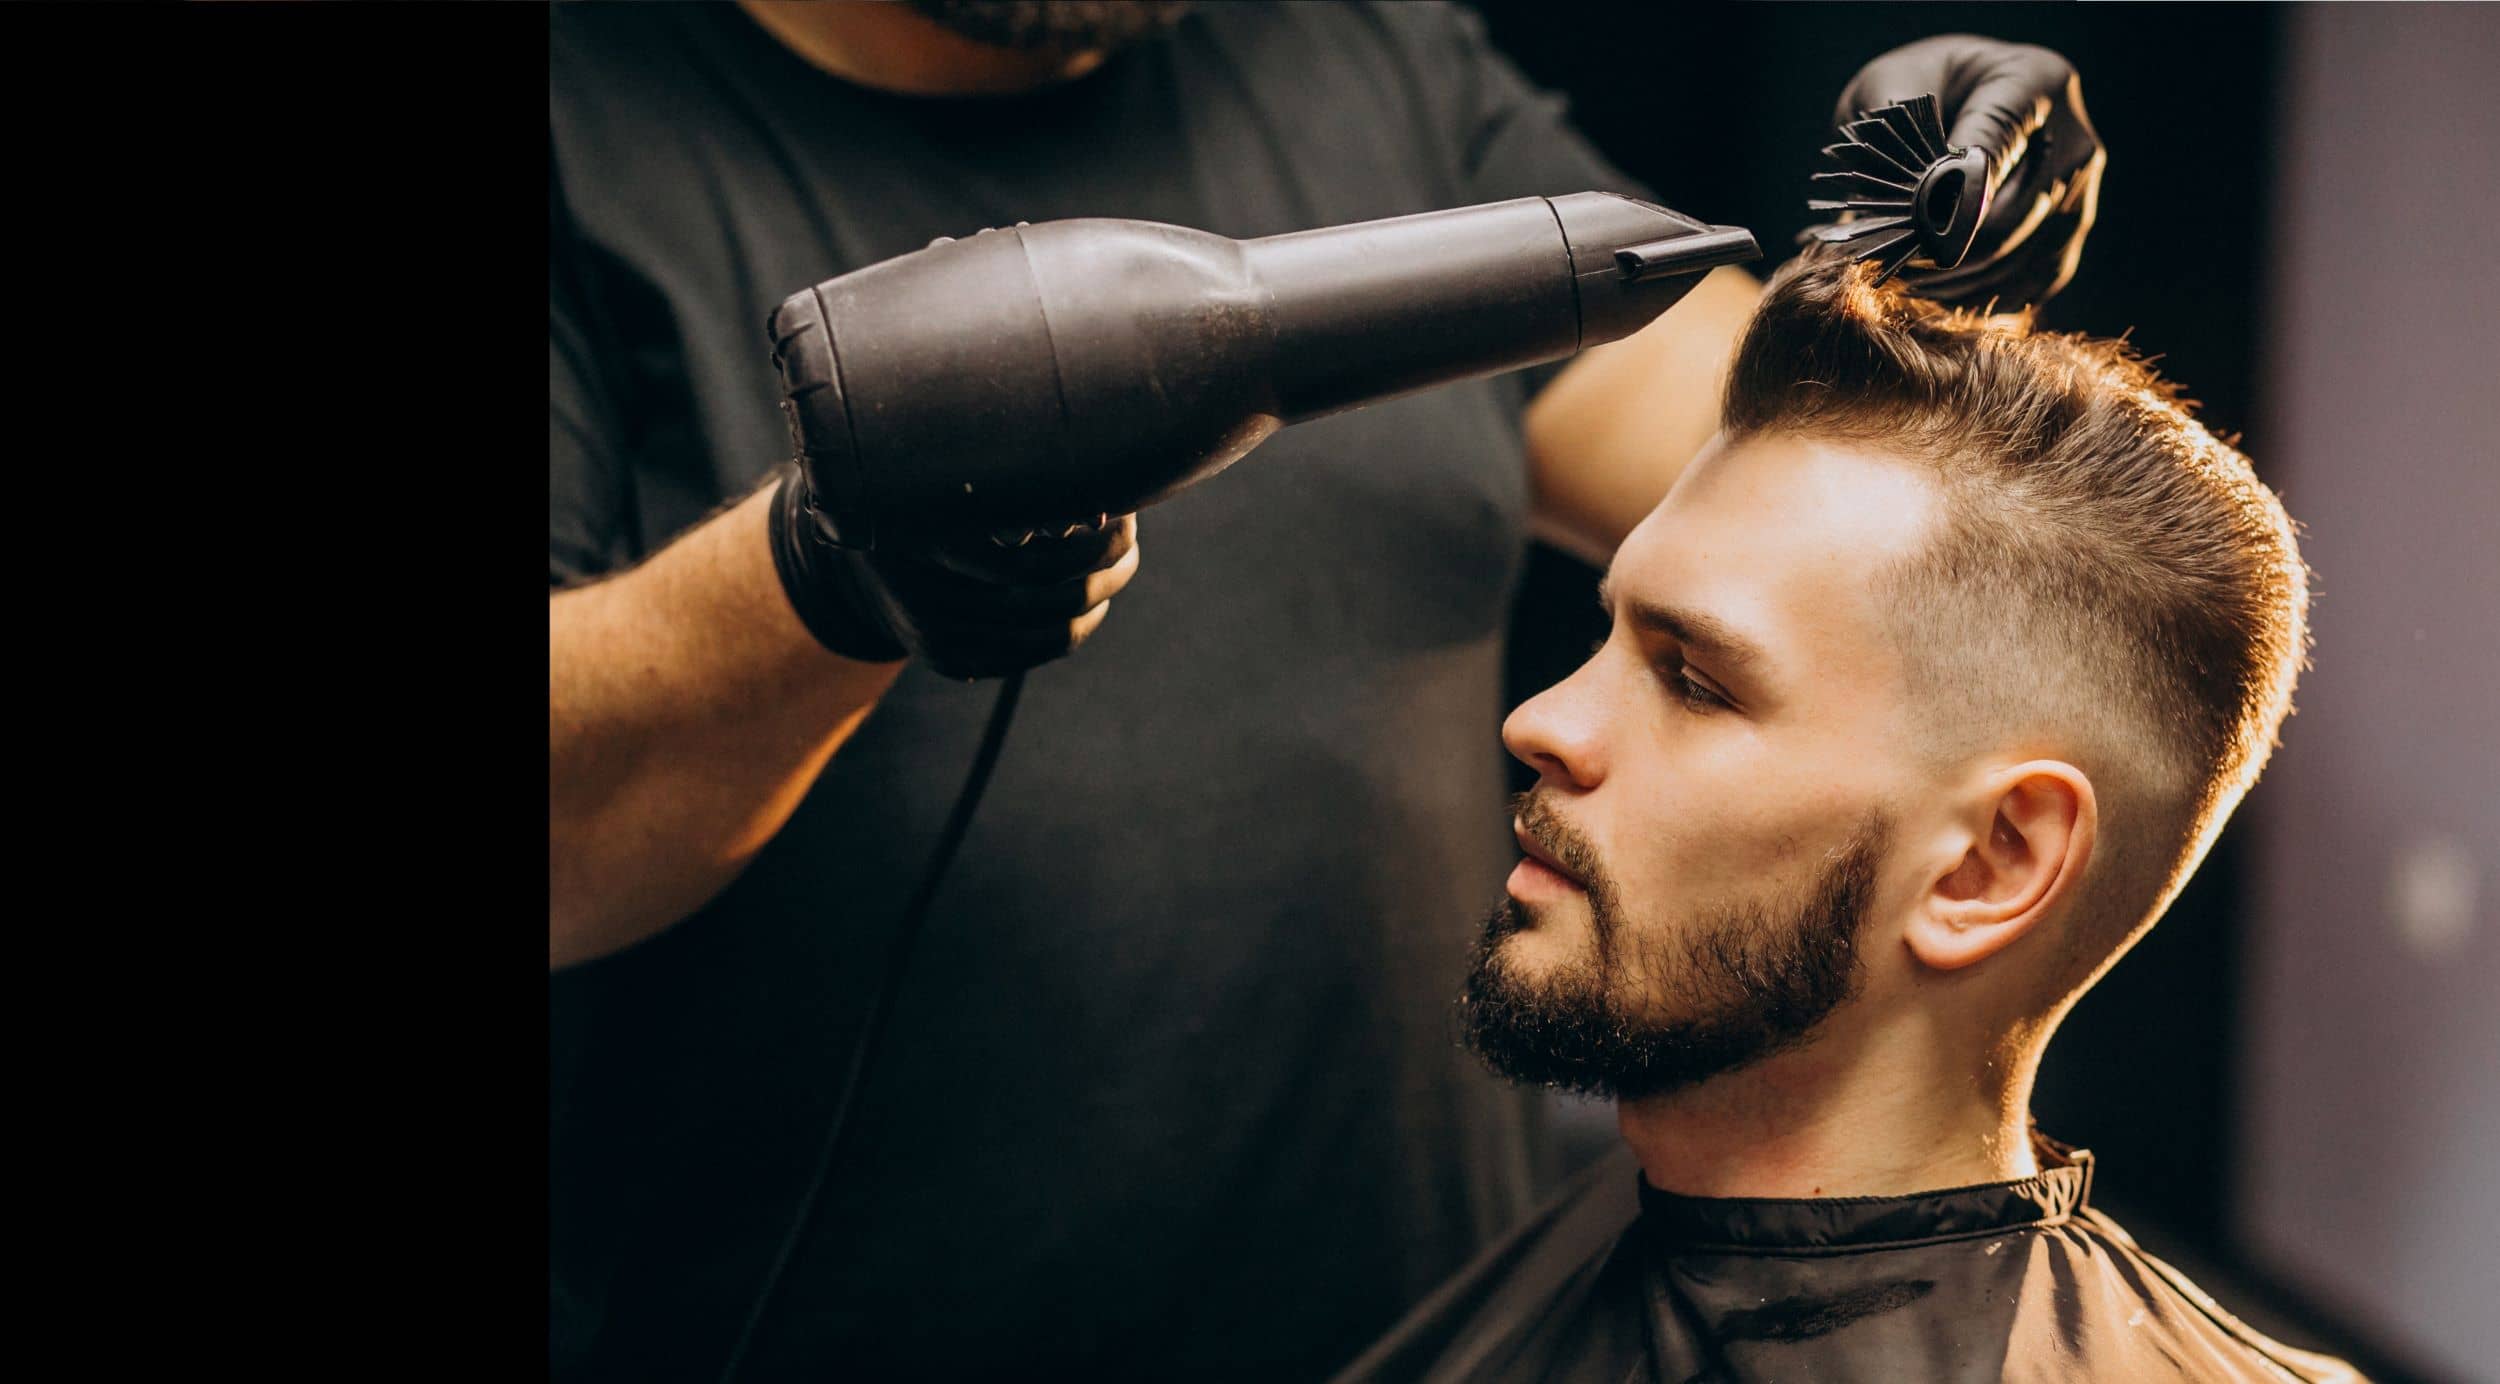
point(2024, 105)
point(967, 605)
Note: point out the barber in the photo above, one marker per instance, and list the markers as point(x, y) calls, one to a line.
point(1171, 1089)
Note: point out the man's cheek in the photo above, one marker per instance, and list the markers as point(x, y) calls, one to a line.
point(1766, 835)
point(1658, 870)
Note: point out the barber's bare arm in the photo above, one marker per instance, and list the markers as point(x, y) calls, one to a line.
point(688, 711)
point(1607, 438)
point(690, 707)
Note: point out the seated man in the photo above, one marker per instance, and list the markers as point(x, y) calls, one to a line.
point(1928, 686)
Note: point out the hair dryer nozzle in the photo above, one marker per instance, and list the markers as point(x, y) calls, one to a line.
point(1689, 254)
point(1632, 260)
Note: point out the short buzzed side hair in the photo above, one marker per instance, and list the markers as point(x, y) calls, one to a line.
point(2106, 572)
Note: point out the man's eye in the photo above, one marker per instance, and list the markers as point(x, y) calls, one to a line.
point(1694, 696)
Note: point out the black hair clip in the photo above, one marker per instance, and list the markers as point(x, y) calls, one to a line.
point(1903, 194)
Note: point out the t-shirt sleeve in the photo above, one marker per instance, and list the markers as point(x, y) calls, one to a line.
point(587, 491)
point(1511, 137)
point(1515, 138)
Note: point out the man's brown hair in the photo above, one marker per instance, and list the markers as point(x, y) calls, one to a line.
point(2106, 573)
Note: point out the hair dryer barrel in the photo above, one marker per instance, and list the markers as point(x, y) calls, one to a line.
point(1043, 375)
point(1372, 311)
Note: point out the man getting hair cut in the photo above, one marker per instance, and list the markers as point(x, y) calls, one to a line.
point(1928, 686)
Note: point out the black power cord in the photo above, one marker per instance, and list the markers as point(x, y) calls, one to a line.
point(897, 957)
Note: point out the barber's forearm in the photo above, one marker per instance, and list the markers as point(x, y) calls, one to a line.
point(1608, 437)
point(688, 711)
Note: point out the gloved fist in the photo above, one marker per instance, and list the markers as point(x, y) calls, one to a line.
point(2023, 105)
point(968, 605)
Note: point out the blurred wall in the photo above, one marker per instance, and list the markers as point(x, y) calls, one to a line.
point(2371, 1060)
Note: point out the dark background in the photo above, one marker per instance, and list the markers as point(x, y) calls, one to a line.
point(1720, 110)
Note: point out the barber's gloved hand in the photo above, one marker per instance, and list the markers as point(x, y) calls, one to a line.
point(968, 605)
point(2024, 105)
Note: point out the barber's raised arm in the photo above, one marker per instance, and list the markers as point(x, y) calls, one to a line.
point(1610, 431)
point(1608, 437)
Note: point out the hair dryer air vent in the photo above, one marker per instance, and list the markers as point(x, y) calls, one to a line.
point(1903, 195)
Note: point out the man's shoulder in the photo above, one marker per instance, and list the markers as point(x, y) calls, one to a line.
point(1523, 1279)
point(2160, 1283)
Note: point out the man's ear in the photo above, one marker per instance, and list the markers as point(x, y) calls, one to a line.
point(2029, 831)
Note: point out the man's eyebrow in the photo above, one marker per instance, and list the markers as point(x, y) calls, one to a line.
point(1702, 633)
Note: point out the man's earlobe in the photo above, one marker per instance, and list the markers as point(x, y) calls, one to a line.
point(2031, 828)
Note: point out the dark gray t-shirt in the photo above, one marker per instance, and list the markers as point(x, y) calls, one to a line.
point(1171, 1089)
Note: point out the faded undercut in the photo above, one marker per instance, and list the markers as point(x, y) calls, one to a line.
point(2107, 574)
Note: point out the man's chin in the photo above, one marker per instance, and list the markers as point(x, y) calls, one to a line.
point(1546, 1003)
point(1528, 990)
point(1543, 941)
point(1539, 1011)
point(1515, 1020)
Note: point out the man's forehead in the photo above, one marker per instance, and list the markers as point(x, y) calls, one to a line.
point(1832, 491)
point(1779, 537)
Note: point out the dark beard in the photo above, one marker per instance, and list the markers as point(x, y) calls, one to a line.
point(1751, 982)
point(1068, 26)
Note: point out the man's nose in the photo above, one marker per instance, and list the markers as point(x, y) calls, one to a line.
point(1556, 733)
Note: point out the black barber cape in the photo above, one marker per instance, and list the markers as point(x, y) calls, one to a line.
point(1617, 1282)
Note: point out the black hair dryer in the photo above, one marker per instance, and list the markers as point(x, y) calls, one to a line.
point(1042, 376)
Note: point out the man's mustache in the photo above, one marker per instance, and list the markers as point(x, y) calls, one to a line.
point(1543, 824)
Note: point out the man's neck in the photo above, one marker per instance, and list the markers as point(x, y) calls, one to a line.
point(894, 48)
point(1871, 1120)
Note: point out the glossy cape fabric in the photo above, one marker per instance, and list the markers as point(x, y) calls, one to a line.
point(1616, 1282)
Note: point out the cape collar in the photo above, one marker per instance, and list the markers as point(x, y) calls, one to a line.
point(1772, 1225)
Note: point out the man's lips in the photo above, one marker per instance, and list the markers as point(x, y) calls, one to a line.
point(1542, 856)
